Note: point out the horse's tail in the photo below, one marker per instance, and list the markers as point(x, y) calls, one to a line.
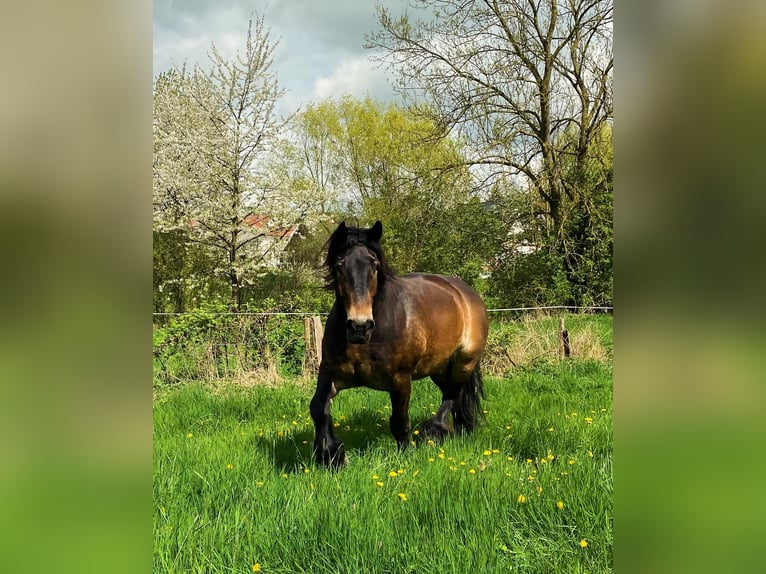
point(470, 402)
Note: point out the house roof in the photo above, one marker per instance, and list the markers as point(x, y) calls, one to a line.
point(260, 223)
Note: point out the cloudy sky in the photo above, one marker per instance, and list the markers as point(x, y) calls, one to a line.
point(320, 51)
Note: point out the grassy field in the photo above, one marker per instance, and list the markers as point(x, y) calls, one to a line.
point(236, 490)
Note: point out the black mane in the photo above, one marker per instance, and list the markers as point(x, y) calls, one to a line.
point(343, 239)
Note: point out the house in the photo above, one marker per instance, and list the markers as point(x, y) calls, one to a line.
point(271, 239)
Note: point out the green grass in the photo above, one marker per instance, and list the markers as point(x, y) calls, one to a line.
point(273, 506)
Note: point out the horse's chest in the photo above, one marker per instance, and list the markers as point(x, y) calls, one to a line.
point(361, 368)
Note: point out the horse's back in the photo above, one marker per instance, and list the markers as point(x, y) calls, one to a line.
point(448, 312)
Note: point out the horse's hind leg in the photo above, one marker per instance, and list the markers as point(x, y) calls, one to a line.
point(327, 449)
point(437, 427)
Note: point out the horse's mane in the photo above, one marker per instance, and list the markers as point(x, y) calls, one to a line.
point(343, 239)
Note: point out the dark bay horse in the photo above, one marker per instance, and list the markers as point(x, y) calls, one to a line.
point(384, 331)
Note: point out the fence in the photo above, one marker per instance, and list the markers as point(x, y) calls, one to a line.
point(270, 345)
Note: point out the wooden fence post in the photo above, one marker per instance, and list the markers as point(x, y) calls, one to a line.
point(564, 334)
point(312, 338)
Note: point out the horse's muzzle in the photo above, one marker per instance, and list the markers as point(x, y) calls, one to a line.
point(359, 332)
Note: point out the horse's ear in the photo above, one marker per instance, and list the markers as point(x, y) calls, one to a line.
point(375, 233)
point(341, 234)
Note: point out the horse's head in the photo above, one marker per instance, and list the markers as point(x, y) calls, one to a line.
point(356, 270)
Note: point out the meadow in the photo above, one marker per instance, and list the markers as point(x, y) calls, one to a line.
point(236, 489)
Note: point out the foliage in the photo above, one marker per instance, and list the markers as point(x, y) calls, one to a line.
point(387, 163)
point(497, 169)
point(213, 133)
point(528, 85)
point(209, 343)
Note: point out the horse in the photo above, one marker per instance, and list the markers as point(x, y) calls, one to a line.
point(385, 330)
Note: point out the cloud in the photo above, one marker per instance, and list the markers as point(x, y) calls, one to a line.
point(320, 52)
point(355, 76)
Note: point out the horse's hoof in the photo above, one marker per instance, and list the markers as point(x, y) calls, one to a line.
point(434, 431)
point(333, 459)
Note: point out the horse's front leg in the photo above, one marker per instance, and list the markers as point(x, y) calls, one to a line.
point(328, 450)
point(400, 404)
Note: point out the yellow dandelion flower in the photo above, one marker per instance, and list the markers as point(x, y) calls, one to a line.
point(588, 420)
point(375, 477)
point(280, 433)
point(294, 423)
point(560, 505)
point(521, 499)
point(507, 427)
point(550, 429)
point(392, 473)
point(487, 453)
point(189, 435)
point(379, 483)
point(508, 458)
point(285, 475)
point(416, 432)
point(400, 471)
point(259, 483)
point(257, 567)
point(472, 471)
point(229, 466)
point(495, 451)
point(583, 543)
point(402, 496)
point(306, 470)
point(430, 442)
point(453, 468)
point(336, 424)
point(342, 417)
point(550, 456)
point(571, 461)
point(590, 454)
point(441, 455)
point(431, 459)
point(463, 463)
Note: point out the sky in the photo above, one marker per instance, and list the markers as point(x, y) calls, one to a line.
point(319, 54)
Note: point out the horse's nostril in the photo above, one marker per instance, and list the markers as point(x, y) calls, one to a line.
point(360, 325)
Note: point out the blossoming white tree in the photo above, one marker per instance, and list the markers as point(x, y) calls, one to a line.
point(214, 131)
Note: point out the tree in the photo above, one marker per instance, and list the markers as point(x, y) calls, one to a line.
point(515, 78)
point(213, 133)
point(380, 161)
